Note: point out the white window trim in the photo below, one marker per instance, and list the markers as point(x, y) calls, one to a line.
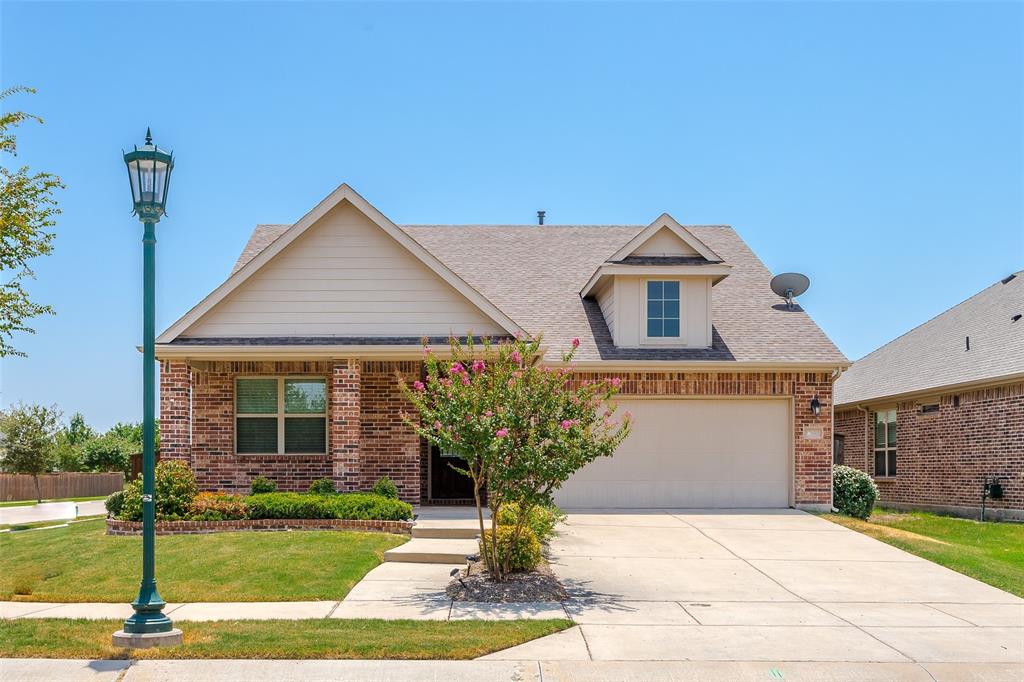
point(280, 414)
point(674, 341)
point(885, 448)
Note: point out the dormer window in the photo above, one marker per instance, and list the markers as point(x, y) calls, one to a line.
point(662, 309)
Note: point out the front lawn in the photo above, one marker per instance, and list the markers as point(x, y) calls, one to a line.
point(323, 638)
point(991, 552)
point(81, 563)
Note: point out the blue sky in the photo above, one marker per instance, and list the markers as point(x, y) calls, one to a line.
point(877, 147)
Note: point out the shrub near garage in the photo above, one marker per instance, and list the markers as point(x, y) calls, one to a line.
point(519, 551)
point(853, 491)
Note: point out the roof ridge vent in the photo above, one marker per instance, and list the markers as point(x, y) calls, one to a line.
point(1008, 278)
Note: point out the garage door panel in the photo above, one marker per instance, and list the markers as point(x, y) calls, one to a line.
point(692, 453)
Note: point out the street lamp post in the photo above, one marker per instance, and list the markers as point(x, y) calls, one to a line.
point(149, 173)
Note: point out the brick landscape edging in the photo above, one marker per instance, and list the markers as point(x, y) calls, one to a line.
point(119, 527)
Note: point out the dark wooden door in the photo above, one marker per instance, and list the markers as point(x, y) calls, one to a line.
point(445, 482)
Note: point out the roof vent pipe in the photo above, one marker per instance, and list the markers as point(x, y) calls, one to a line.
point(540, 217)
point(968, 343)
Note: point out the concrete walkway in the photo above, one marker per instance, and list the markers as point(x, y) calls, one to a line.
point(764, 586)
point(50, 511)
point(47, 670)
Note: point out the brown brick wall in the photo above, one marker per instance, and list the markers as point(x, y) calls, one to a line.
point(812, 462)
point(389, 446)
point(367, 437)
point(943, 457)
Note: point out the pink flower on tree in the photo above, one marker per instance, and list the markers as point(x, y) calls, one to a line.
point(501, 433)
point(418, 385)
point(576, 342)
point(566, 424)
point(437, 425)
point(465, 379)
point(616, 382)
point(516, 357)
point(488, 413)
point(478, 366)
point(457, 368)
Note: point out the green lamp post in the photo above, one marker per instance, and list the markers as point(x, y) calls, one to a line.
point(149, 173)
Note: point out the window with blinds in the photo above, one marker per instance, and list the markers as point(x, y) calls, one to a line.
point(280, 415)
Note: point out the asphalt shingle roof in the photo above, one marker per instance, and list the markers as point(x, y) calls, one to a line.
point(935, 354)
point(534, 275)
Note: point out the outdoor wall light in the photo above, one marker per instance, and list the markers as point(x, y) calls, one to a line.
point(815, 406)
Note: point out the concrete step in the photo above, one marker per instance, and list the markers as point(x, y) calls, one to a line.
point(433, 551)
point(466, 529)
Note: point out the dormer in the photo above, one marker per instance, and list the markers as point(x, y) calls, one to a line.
point(655, 292)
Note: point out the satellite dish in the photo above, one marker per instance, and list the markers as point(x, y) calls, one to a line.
point(789, 285)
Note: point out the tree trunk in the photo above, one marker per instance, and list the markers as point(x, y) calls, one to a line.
point(39, 494)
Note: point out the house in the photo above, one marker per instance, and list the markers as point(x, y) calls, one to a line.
point(936, 413)
point(289, 368)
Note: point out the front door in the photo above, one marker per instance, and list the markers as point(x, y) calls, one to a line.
point(445, 482)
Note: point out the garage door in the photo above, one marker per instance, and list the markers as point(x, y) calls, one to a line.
point(692, 453)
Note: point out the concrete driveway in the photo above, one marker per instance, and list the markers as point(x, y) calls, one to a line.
point(765, 585)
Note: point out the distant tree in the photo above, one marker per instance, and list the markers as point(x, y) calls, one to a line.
point(69, 443)
point(108, 453)
point(27, 440)
point(132, 431)
point(27, 210)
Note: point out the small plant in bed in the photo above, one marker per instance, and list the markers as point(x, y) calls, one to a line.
point(334, 506)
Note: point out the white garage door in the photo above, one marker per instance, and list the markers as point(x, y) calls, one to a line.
point(692, 453)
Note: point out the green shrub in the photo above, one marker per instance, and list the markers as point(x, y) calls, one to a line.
point(385, 487)
point(262, 484)
point(114, 503)
point(540, 519)
point(322, 486)
point(853, 491)
point(217, 507)
point(336, 506)
point(175, 489)
point(108, 453)
point(521, 555)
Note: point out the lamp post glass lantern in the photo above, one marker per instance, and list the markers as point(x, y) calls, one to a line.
point(149, 174)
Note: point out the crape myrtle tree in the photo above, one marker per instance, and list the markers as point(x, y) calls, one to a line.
point(522, 428)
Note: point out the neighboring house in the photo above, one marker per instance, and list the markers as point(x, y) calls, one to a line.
point(289, 368)
point(939, 411)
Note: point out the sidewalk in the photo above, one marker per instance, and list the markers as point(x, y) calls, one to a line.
point(409, 608)
point(50, 511)
point(40, 670)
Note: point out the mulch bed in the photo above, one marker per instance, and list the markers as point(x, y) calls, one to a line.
point(473, 584)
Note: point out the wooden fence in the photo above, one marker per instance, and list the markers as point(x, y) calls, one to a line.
point(56, 486)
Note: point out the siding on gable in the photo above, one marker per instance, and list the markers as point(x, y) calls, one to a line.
point(606, 299)
point(631, 302)
point(344, 277)
point(664, 243)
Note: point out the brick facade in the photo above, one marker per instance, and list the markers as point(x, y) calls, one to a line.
point(812, 435)
point(944, 457)
point(367, 437)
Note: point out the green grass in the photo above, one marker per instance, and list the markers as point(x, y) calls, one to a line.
point(289, 639)
point(991, 552)
point(15, 527)
point(81, 563)
point(24, 503)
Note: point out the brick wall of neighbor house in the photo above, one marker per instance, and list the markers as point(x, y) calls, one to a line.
point(943, 457)
point(812, 435)
point(367, 438)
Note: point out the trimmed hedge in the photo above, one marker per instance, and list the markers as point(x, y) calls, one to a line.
point(217, 507)
point(853, 491)
point(362, 506)
point(262, 484)
point(385, 487)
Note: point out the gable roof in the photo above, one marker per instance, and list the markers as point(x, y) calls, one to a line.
point(534, 275)
point(934, 355)
point(665, 222)
point(275, 244)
